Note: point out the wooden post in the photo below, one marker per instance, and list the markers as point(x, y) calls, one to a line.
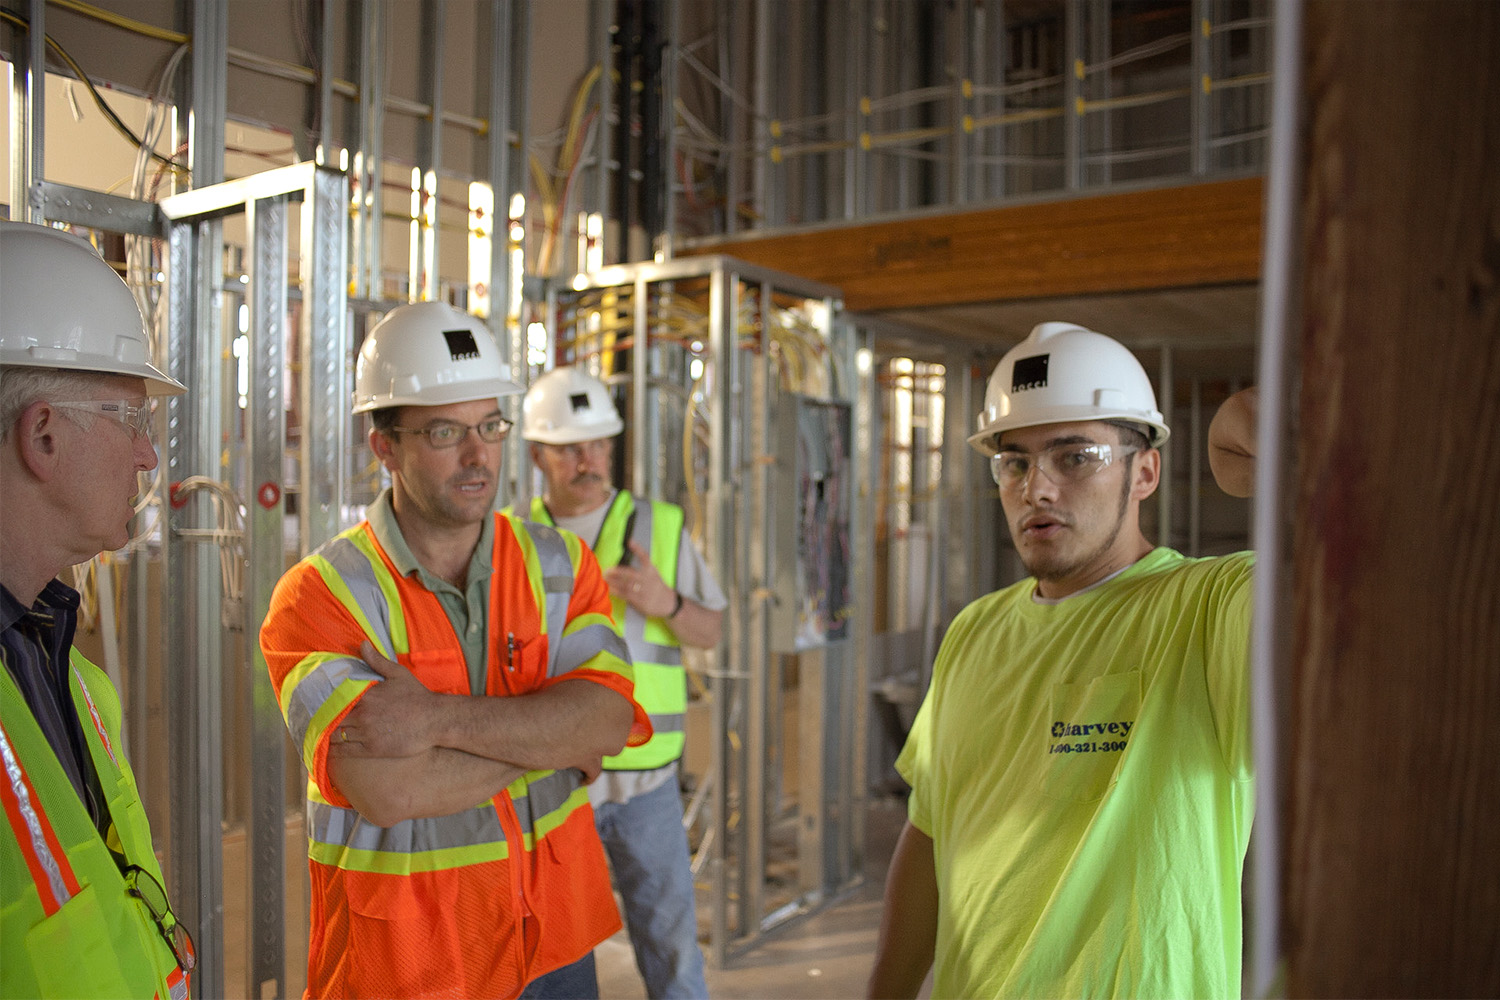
point(1392, 874)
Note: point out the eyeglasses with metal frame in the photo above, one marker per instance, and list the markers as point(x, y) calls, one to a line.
point(1062, 463)
point(143, 886)
point(449, 433)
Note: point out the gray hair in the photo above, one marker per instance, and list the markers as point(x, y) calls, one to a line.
point(20, 386)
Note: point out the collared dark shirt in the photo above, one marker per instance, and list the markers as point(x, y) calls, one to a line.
point(34, 644)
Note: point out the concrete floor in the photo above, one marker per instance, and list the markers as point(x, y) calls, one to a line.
point(825, 954)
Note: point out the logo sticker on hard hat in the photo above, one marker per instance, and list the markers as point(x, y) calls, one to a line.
point(461, 344)
point(579, 401)
point(1029, 373)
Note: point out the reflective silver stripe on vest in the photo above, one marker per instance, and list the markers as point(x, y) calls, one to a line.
point(642, 651)
point(314, 690)
point(330, 824)
point(354, 568)
point(544, 796)
point(557, 585)
point(39, 846)
point(586, 643)
point(667, 723)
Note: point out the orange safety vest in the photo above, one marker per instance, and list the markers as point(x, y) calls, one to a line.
point(479, 903)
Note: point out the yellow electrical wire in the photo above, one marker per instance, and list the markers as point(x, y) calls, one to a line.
point(121, 21)
point(108, 112)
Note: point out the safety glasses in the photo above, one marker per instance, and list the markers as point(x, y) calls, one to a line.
point(1062, 463)
point(134, 415)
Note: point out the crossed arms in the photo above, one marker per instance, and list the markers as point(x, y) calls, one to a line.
point(405, 752)
point(402, 751)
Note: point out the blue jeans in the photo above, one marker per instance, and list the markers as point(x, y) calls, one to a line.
point(572, 982)
point(648, 853)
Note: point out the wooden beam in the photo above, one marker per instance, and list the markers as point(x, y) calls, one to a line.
point(1392, 878)
point(1179, 237)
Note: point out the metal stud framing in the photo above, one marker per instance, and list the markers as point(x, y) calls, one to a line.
point(749, 695)
point(195, 244)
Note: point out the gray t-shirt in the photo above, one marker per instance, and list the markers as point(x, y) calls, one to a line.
point(467, 609)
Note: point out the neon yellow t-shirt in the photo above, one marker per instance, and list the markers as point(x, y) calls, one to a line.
point(1084, 772)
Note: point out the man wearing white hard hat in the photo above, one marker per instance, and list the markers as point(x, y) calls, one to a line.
point(452, 677)
point(1080, 767)
point(666, 598)
point(78, 868)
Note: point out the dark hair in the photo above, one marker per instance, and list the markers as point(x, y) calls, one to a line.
point(1131, 434)
point(384, 419)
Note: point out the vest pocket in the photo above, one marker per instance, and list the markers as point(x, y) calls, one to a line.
point(73, 953)
point(1087, 732)
point(403, 933)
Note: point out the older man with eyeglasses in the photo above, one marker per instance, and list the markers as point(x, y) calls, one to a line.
point(1080, 767)
point(452, 677)
point(82, 909)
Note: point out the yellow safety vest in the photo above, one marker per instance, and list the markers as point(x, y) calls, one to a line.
point(660, 681)
point(68, 926)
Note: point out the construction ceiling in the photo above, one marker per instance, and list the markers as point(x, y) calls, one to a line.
point(1211, 330)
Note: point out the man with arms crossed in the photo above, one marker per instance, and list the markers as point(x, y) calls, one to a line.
point(451, 842)
point(1080, 768)
point(82, 908)
point(666, 598)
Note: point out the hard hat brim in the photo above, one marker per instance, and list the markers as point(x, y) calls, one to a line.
point(466, 392)
point(577, 435)
point(158, 382)
point(1151, 423)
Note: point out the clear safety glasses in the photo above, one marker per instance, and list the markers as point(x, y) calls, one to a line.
point(134, 414)
point(1062, 463)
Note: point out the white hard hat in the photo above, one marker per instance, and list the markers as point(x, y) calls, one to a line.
point(1063, 373)
point(429, 354)
point(568, 405)
point(62, 306)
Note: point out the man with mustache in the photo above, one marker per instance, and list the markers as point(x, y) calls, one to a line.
point(82, 908)
point(1080, 767)
point(665, 596)
point(452, 677)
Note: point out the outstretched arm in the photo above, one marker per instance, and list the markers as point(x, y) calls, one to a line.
point(1231, 443)
point(908, 924)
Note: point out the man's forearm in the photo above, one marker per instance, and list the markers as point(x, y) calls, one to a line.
point(695, 625)
point(437, 782)
point(908, 924)
point(570, 724)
